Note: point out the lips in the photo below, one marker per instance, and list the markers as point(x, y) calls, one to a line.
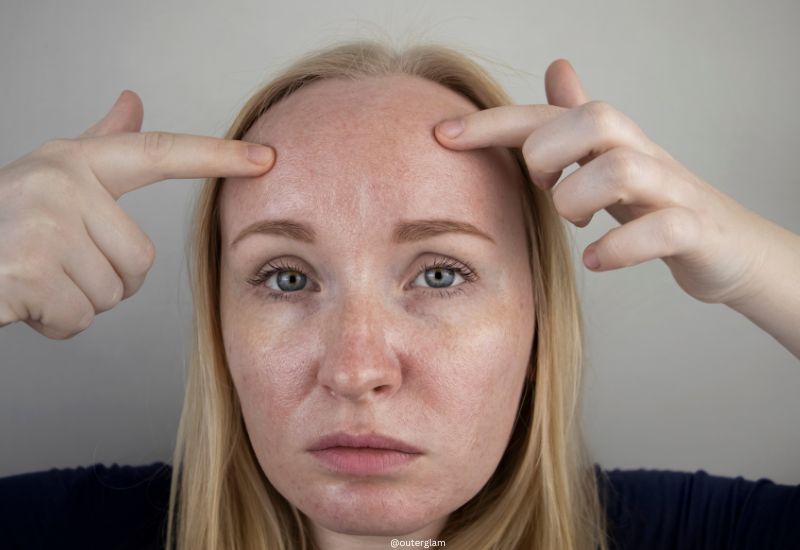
point(346, 454)
point(372, 441)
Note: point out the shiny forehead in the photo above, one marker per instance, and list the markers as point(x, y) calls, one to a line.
point(364, 150)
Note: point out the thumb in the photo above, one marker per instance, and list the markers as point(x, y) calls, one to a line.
point(562, 85)
point(125, 116)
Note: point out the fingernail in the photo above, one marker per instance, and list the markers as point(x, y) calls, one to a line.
point(591, 260)
point(260, 154)
point(451, 128)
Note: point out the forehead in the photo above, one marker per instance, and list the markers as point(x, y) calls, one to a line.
point(359, 154)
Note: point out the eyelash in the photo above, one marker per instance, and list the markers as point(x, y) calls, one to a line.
point(462, 269)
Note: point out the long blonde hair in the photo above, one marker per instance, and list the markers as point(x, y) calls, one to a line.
point(544, 492)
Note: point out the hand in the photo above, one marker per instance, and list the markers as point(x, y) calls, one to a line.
point(67, 250)
point(712, 245)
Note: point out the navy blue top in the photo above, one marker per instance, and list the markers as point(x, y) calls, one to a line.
point(122, 507)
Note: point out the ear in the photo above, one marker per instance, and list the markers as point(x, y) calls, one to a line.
point(126, 115)
point(562, 85)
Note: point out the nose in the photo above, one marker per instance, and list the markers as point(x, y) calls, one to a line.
point(358, 364)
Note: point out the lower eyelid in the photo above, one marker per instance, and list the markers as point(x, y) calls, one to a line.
point(279, 296)
point(449, 292)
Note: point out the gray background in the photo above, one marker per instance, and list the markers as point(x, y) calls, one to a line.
point(673, 383)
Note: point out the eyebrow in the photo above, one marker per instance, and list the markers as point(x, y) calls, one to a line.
point(404, 231)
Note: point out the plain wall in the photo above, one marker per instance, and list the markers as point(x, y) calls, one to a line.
point(672, 382)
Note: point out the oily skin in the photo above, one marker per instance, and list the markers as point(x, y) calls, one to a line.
point(371, 345)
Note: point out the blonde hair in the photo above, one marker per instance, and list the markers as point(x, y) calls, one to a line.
point(544, 492)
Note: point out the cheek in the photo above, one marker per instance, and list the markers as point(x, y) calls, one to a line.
point(263, 359)
point(269, 373)
point(481, 378)
point(267, 369)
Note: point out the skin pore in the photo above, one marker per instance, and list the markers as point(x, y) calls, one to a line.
point(367, 342)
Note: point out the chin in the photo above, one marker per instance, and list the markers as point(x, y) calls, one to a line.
point(379, 513)
point(382, 524)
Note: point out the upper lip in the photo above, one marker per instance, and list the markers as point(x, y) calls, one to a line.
point(373, 440)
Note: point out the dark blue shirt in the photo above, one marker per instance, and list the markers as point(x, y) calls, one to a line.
point(125, 507)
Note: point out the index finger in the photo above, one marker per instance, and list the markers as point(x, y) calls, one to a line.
point(504, 126)
point(127, 161)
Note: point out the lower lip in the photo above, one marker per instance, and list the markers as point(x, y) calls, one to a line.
point(363, 460)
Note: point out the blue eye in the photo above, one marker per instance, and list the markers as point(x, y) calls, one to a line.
point(288, 280)
point(439, 276)
point(291, 279)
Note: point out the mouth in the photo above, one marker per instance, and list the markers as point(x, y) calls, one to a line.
point(368, 454)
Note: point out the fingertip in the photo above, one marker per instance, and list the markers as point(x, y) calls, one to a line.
point(590, 258)
point(451, 129)
point(553, 66)
point(262, 155)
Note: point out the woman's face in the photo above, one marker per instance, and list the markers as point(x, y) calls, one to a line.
point(356, 334)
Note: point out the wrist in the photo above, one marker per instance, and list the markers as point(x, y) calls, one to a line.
point(771, 298)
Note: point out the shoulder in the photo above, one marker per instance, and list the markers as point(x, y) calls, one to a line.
point(118, 506)
point(666, 508)
point(94, 474)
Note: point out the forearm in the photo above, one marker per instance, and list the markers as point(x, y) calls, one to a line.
point(774, 301)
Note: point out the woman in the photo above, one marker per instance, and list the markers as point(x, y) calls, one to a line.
point(387, 340)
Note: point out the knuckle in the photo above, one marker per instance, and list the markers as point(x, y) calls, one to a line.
point(119, 291)
point(132, 285)
point(114, 296)
point(601, 115)
point(528, 152)
point(157, 145)
point(561, 203)
point(58, 146)
point(85, 320)
point(140, 260)
point(624, 168)
point(146, 256)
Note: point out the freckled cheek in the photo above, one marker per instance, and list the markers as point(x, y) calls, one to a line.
point(268, 373)
point(460, 362)
point(482, 379)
